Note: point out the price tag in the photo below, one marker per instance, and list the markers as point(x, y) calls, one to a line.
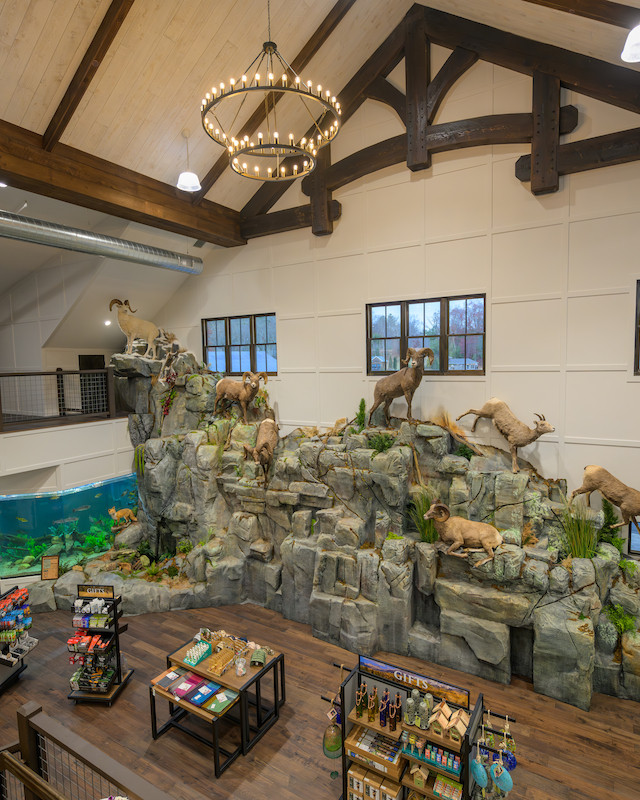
point(332, 714)
point(153, 691)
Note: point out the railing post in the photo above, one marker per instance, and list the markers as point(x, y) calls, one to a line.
point(111, 393)
point(29, 741)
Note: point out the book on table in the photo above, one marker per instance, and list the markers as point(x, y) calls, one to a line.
point(169, 677)
point(221, 700)
point(202, 693)
point(186, 684)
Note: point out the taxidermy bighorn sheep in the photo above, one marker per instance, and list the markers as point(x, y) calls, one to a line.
point(460, 532)
point(597, 479)
point(241, 392)
point(404, 382)
point(265, 445)
point(134, 328)
point(515, 432)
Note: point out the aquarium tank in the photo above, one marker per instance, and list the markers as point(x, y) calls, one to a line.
point(74, 524)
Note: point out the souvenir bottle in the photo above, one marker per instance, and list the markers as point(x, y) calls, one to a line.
point(376, 699)
point(371, 711)
point(392, 717)
point(383, 713)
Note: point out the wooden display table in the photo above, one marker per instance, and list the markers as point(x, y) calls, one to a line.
point(250, 711)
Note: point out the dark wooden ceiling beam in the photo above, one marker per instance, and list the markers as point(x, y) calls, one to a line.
point(380, 64)
point(380, 89)
point(609, 83)
point(79, 178)
point(320, 195)
point(319, 37)
point(417, 68)
point(600, 10)
point(600, 151)
point(546, 133)
point(97, 50)
point(492, 129)
point(291, 219)
point(453, 68)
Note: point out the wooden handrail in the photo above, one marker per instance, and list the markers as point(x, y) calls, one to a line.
point(58, 372)
point(132, 785)
point(30, 780)
point(12, 747)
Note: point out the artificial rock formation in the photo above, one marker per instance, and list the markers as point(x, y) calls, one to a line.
point(324, 541)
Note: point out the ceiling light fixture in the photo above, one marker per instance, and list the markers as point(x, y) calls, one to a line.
point(188, 181)
point(631, 51)
point(263, 160)
point(107, 322)
point(3, 185)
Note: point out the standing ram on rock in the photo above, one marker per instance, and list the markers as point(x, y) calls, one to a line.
point(241, 392)
point(597, 479)
point(404, 382)
point(515, 432)
point(266, 443)
point(135, 328)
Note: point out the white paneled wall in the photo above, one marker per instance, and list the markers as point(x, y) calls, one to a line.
point(559, 272)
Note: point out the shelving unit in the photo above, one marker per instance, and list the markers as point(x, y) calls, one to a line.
point(110, 655)
point(395, 679)
point(12, 663)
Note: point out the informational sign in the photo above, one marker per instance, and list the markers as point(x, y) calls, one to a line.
point(412, 680)
point(50, 569)
point(88, 591)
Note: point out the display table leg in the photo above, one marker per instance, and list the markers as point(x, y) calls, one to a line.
point(152, 703)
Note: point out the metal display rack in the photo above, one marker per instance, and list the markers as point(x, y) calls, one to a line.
point(120, 679)
point(9, 673)
point(398, 679)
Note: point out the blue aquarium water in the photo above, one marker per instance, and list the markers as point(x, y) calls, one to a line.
point(74, 524)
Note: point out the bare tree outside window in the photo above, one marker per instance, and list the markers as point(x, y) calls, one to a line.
point(234, 345)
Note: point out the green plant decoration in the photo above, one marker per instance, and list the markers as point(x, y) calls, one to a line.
point(618, 616)
point(184, 547)
point(262, 398)
point(172, 571)
point(579, 531)
point(392, 535)
point(380, 442)
point(361, 416)
point(628, 566)
point(153, 570)
point(138, 460)
point(415, 515)
point(144, 549)
point(608, 533)
point(465, 451)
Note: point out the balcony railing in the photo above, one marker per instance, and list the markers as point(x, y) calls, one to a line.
point(41, 399)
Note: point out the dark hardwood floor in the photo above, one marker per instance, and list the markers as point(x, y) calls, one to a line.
point(563, 753)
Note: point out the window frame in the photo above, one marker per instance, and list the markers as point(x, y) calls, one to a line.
point(443, 336)
point(636, 356)
point(228, 345)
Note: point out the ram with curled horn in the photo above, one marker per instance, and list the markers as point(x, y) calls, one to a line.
point(515, 432)
point(241, 392)
point(135, 328)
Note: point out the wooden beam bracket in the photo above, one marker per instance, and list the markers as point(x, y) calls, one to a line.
point(290, 219)
point(546, 133)
point(417, 73)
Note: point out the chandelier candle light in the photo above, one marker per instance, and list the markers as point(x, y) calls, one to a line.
point(273, 157)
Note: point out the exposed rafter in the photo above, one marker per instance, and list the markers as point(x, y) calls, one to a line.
point(97, 50)
point(600, 10)
point(290, 219)
point(76, 177)
point(319, 37)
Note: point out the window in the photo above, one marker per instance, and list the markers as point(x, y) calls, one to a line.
point(453, 327)
point(234, 345)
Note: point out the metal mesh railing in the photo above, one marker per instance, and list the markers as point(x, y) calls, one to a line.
point(29, 397)
point(10, 787)
point(71, 777)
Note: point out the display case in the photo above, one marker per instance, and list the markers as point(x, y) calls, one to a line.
point(15, 641)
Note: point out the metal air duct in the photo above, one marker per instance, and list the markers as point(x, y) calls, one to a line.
point(36, 231)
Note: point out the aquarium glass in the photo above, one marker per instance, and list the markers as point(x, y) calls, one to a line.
point(73, 523)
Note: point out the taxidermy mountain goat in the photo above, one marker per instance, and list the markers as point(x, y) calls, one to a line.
point(515, 432)
point(404, 382)
point(135, 328)
point(241, 392)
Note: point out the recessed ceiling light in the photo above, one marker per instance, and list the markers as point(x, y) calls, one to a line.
point(107, 322)
point(3, 185)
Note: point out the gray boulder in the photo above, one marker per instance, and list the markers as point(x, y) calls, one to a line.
point(142, 597)
point(129, 537)
point(65, 589)
point(41, 597)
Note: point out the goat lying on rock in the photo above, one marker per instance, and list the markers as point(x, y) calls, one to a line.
point(134, 328)
point(266, 443)
point(404, 382)
point(515, 432)
point(460, 532)
point(241, 392)
point(597, 479)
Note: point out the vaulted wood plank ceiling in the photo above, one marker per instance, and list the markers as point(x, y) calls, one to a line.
point(165, 54)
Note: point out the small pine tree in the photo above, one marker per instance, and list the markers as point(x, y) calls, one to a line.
point(361, 416)
point(610, 519)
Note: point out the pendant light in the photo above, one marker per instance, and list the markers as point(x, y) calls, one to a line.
point(188, 181)
point(631, 51)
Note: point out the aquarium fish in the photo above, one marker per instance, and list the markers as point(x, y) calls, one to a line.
point(22, 519)
point(82, 508)
point(99, 494)
point(124, 493)
point(55, 497)
point(65, 521)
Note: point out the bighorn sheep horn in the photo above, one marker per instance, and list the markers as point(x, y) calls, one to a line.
point(442, 509)
point(126, 302)
point(541, 417)
point(264, 376)
point(245, 375)
point(113, 302)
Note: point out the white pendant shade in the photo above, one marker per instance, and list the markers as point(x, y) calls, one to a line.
point(188, 182)
point(631, 52)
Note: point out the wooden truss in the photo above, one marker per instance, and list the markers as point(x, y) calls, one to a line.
point(42, 165)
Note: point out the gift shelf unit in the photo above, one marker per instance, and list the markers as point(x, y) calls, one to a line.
point(95, 646)
point(410, 763)
point(15, 642)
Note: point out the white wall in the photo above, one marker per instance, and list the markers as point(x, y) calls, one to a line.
point(61, 458)
point(559, 272)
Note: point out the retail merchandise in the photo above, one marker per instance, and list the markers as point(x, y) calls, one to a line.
point(15, 642)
